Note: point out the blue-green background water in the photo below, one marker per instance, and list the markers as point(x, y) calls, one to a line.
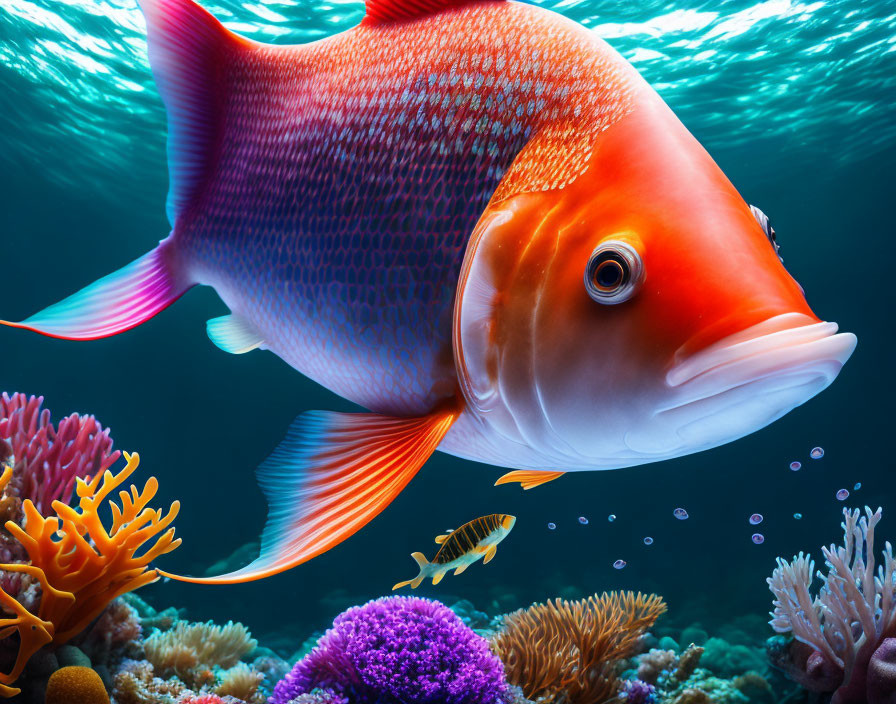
point(795, 101)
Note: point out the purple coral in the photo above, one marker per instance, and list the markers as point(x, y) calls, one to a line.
point(845, 633)
point(47, 458)
point(637, 692)
point(398, 650)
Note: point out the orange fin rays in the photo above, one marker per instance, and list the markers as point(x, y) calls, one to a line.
point(333, 474)
point(529, 478)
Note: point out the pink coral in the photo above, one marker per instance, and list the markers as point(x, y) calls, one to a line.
point(48, 459)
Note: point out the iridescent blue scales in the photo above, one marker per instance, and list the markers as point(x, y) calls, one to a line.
point(352, 172)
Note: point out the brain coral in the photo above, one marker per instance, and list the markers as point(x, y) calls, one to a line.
point(76, 685)
point(398, 650)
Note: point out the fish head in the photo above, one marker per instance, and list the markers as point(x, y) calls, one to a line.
point(507, 522)
point(639, 313)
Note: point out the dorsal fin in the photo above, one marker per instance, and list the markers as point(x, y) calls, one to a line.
point(188, 50)
point(379, 11)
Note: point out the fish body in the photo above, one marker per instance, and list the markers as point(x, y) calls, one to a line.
point(476, 220)
point(460, 548)
point(345, 192)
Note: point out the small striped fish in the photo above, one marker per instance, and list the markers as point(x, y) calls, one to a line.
point(462, 547)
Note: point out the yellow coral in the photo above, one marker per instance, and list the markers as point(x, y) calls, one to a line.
point(80, 565)
point(76, 685)
point(568, 652)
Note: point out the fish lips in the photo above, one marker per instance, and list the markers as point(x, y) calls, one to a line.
point(744, 382)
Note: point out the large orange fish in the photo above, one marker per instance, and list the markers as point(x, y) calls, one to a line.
point(476, 220)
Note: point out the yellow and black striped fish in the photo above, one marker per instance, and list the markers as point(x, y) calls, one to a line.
point(462, 547)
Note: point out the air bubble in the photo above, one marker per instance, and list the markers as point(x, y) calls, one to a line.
point(619, 564)
point(857, 486)
point(680, 514)
point(611, 517)
point(843, 495)
point(755, 519)
point(795, 466)
point(758, 538)
point(648, 540)
point(552, 526)
point(583, 520)
point(798, 516)
point(817, 453)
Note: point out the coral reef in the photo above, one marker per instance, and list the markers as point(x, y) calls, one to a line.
point(682, 679)
point(188, 649)
point(47, 459)
point(570, 651)
point(398, 650)
point(76, 685)
point(844, 635)
point(80, 565)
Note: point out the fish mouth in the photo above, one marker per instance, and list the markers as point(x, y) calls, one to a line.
point(744, 382)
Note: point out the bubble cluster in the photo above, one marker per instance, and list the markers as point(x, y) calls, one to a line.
point(817, 453)
point(680, 514)
point(758, 538)
point(795, 466)
point(552, 526)
point(842, 494)
point(648, 540)
point(755, 519)
point(583, 520)
point(619, 564)
point(611, 517)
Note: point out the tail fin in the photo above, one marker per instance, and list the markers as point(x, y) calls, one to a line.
point(422, 563)
point(117, 302)
point(189, 52)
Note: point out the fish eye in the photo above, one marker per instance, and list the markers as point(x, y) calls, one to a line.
point(614, 272)
point(762, 219)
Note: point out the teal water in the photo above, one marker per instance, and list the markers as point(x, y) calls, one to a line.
point(796, 102)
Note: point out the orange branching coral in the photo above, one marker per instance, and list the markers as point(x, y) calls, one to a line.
point(80, 565)
point(569, 652)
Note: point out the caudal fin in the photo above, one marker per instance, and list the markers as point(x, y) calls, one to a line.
point(333, 474)
point(115, 303)
point(422, 563)
point(190, 53)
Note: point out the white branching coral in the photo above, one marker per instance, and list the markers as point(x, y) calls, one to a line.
point(854, 610)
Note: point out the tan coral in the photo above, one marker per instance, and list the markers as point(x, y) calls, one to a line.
point(81, 566)
point(191, 645)
point(240, 681)
point(136, 683)
point(569, 652)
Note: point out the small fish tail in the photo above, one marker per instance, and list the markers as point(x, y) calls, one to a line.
point(422, 563)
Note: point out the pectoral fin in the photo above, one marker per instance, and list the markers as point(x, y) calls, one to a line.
point(461, 568)
point(437, 577)
point(233, 333)
point(528, 478)
point(332, 474)
point(490, 554)
point(441, 539)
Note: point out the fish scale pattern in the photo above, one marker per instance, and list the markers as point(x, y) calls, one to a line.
point(352, 171)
